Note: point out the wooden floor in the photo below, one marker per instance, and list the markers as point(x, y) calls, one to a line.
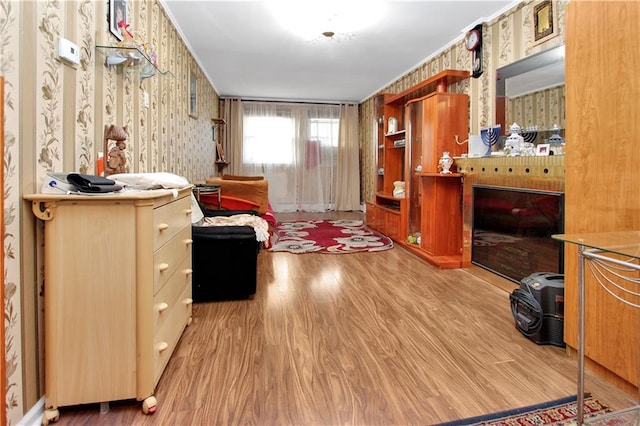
point(361, 339)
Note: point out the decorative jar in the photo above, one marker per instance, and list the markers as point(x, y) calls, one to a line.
point(445, 163)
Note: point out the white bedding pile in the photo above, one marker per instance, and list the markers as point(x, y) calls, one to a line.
point(157, 180)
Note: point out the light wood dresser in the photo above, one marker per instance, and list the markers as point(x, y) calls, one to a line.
point(117, 293)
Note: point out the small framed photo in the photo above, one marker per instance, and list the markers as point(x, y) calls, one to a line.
point(545, 21)
point(117, 15)
point(193, 95)
point(543, 149)
point(220, 152)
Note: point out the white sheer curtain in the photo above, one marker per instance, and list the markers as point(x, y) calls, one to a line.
point(295, 147)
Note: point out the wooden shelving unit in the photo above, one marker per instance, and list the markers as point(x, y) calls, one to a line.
point(428, 117)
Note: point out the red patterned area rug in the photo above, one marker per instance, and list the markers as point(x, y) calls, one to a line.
point(328, 236)
point(561, 412)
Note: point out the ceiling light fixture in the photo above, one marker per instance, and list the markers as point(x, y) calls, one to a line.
point(312, 19)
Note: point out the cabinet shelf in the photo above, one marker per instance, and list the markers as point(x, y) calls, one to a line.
point(131, 58)
point(395, 134)
point(440, 175)
point(388, 196)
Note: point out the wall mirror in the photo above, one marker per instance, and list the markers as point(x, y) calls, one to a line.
point(532, 76)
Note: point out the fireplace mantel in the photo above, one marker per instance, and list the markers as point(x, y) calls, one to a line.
point(540, 172)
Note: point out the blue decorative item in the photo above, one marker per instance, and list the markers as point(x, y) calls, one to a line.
point(489, 136)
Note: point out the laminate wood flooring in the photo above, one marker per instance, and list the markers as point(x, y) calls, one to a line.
point(360, 339)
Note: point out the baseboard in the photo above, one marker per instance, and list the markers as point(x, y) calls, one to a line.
point(34, 415)
point(493, 279)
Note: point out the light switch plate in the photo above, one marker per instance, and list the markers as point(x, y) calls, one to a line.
point(68, 51)
point(146, 99)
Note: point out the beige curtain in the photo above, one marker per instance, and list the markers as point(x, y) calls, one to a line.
point(348, 173)
point(232, 141)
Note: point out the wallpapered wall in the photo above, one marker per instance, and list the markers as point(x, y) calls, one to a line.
point(55, 115)
point(505, 39)
point(541, 109)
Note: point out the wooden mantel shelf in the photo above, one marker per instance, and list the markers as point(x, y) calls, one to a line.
point(436, 83)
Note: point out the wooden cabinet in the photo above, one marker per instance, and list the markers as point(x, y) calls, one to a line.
point(383, 220)
point(428, 118)
point(441, 220)
point(440, 117)
point(117, 293)
point(373, 216)
point(383, 213)
point(601, 87)
point(392, 224)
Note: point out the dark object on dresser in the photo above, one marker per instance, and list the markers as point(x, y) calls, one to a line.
point(224, 260)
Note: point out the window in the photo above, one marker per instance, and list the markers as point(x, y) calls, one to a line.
point(272, 140)
point(268, 140)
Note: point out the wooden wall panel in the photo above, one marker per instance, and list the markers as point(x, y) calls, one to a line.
point(602, 173)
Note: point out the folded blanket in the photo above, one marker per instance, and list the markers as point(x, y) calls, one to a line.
point(259, 224)
point(255, 191)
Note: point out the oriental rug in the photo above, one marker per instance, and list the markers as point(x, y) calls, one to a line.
point(328, 236)
point(561, 412)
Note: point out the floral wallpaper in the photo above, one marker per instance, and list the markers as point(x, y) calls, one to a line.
point(56, 123)
point(9, 17)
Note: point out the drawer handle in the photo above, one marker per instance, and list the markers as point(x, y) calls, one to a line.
point(188, 271)
point(162, 346)
point(163, 226)
point(188, 241)
point(187, 301)
point(187, 212)
point(163, 267)
point(163, 306)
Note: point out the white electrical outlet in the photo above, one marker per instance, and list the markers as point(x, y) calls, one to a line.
point(68, 51)
point(146, 99)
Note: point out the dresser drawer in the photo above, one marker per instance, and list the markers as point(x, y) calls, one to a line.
point(169, 219)
point(170, 294)
point(166, 338)
point(170, 256)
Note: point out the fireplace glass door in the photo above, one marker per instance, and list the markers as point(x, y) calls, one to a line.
point(512, 230)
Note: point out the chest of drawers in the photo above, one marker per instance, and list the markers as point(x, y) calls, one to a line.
point(117, 293)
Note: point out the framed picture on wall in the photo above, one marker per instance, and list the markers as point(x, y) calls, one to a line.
point(545, 21)
point(193, 93)
point(117, 15)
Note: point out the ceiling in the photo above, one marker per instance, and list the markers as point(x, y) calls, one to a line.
point(246, 53)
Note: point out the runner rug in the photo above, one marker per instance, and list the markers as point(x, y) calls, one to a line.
point(328, 236)
point(558, 412)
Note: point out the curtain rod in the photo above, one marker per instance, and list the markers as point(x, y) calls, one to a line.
point(285, 101)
